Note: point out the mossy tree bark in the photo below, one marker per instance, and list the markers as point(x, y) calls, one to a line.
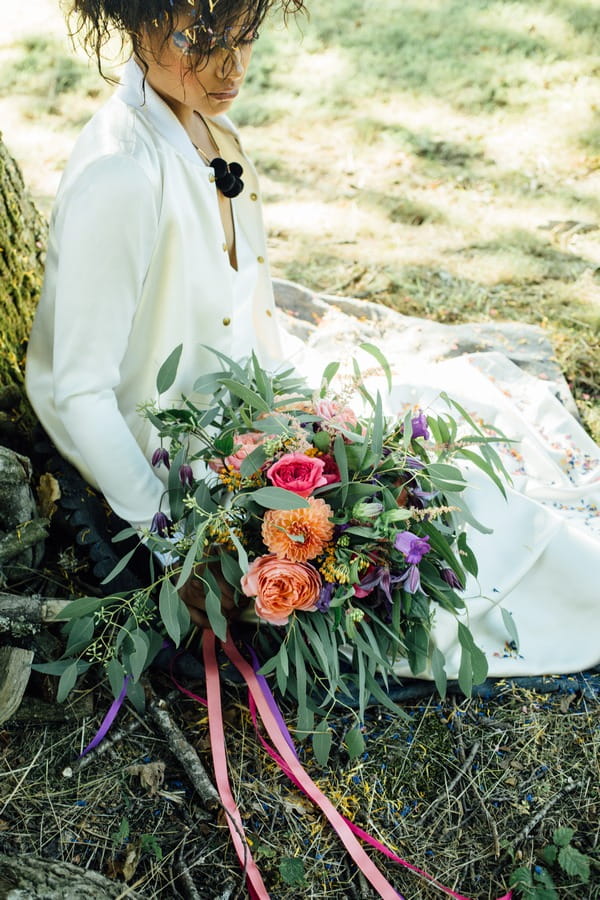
point(23, 234)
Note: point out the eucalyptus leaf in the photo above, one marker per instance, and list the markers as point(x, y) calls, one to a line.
point(168, 601)
point(168, 371)
point(116, 676)
point(122, 564)
point(509, 624)
point(67, 682)
point(137, 659)
point(321, 743)
point(355, 742)
point(278, 498)
point(83, 606)
point(214, 611)
point(328, 375)
point(81, 632)
point(438, 663)
point(253, 462)
point(254, 400)
point(381, 359)
point(465, 673)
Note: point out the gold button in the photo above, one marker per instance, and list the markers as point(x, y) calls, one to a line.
point(260, 259)
point(225, 247)
point(254, 196)
point(212, 179)
point(226, 321)
point(269, 313)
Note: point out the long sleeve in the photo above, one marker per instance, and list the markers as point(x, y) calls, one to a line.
point(105, 231)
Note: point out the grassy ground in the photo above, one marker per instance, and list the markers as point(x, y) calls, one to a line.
point(441, 157)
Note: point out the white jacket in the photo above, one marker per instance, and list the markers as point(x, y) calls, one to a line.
point(137, 264)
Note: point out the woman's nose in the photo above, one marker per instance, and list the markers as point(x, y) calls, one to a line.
point(232, 62)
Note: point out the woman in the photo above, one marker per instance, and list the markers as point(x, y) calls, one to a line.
point(155, 243)
point(148, 247)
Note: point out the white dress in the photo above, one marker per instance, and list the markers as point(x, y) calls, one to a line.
point(542, 560)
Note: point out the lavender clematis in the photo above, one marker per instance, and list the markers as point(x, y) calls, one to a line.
point(413, 547)
point(412, 579)
point(160, 524)
point(161, 457)
point(419, 426)
point(186, 476)
point(451, 578)
point(324, 601)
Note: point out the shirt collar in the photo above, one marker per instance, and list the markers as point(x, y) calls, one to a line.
point(141, 96)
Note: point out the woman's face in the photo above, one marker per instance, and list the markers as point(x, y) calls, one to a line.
point(208, 88)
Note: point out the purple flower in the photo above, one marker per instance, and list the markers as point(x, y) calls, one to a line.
point(161, 456)
point(325, 596)
point(412, 579)
point(413, 463)
point(160, 524)
point(451, 578)
point(419, 426)
point(414, 548)
point(186, 476)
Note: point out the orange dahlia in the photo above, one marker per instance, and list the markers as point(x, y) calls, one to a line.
point(280, 526)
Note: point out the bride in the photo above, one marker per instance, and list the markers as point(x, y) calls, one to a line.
point(157, 239)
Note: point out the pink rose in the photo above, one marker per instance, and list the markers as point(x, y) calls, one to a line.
point(281, 587)
point(243, 445)
point(333, 412)
point(298, 473)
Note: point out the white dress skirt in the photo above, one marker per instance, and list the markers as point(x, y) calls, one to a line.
point(542, 560)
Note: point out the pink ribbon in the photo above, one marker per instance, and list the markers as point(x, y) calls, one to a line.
point(270, 700)
point(256, 887)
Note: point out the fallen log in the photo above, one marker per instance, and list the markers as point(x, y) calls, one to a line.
point(15, 669)
point(45, 879)
point(22, 614)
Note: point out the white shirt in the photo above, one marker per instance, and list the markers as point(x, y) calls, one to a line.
point(137, 264)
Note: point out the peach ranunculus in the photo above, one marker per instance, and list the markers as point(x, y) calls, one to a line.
point(281, 587)
point(335, 413)
point(243, 445)
point(311, 523)
point(298, 473)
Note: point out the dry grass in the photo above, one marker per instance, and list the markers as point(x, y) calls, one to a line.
point(466, 824)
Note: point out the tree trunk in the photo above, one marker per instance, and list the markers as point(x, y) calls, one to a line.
point(23, 234)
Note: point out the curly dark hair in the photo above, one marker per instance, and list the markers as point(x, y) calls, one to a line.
point(96, 21)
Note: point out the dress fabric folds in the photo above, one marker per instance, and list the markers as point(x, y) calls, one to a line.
point(541, 559)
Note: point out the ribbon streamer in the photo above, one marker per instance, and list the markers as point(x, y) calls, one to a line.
point(108, 719)
point(377, 845)
point(256, 887)
point(356, 851)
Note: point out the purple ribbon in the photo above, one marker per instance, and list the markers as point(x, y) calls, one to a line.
point(271, 700)
point(109, 718)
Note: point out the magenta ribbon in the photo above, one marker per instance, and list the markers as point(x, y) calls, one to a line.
point(108, 719)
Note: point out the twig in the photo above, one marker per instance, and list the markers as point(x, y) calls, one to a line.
point(183, 751)
point(463, 769)
point(540, 814)
point(105, 745)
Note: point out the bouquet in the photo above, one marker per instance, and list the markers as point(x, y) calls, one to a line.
point(340, 533)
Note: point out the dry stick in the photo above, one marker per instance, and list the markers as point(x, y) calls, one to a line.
point(184, 752)
point(471, 781)
point(105, 745)
point(545, 808)
point(463, 769)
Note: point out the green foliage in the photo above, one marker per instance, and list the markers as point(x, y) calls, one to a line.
point(348, 649)
point(291, 869)
point(564, 859)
